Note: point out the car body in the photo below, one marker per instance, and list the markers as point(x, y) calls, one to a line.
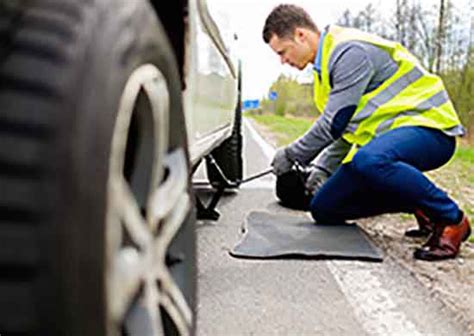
point(211, 69)
point(206, 48)
point(106, 109)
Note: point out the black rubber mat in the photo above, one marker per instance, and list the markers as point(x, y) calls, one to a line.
point(275, 236)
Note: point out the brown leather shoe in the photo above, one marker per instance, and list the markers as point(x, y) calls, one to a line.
point(425, 226)
point(445, 242)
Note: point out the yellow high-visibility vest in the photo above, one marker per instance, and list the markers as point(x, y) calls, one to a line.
point(410, 97)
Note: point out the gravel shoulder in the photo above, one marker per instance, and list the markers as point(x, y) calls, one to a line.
point(451, 281)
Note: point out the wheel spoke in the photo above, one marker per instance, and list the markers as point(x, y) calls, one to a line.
point(138, 246)
point(170, 226)
point(152, 306)
point(130, 213)
point(175, 315)
point(167, 196)
point(126, 277)
point(172, 299)
point(128, 263)
point(136, 82)
point(172, 215)
point(144, 318)
point(157, 91)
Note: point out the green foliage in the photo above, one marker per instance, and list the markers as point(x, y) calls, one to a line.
point(464, 159)
point(294, 98)
point(285, 129)
point(465, 154)
point(460, 86)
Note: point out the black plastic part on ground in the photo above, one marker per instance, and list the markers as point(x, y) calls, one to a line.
point(269, 235)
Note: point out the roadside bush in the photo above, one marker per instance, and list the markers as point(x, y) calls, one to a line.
point(294, 98)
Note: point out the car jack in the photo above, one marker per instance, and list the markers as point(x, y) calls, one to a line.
point(209, 212)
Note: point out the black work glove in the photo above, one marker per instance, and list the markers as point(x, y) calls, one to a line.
point(317, 177)
point(281, 163)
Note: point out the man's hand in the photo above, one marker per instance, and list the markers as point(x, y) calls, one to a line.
point(281, 162)
point(316, 179)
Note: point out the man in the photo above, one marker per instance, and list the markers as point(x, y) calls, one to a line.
point(398, 118)
point(296, 188)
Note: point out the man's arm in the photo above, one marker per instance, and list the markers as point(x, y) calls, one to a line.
point(331, 157)
point(326, 164)
point(350, 71)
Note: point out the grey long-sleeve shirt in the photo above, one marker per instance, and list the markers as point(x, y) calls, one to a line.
point(331, 157)
point(355, 68)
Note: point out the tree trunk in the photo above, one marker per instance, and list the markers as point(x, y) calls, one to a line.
point(441, 36)
point(469, 57)
point(400, 23)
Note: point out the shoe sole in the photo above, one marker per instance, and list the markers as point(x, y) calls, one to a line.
point(415, 233)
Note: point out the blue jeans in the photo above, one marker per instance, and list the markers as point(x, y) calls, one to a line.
point(385, 176)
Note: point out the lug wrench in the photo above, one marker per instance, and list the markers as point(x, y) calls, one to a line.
point(256, 176)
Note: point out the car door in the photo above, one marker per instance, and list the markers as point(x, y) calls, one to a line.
point(211, 87)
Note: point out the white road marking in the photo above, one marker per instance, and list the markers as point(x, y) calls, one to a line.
point(373, 306)
point(267, 182)
point(267, 149)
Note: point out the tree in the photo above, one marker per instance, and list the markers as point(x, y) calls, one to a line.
point(346, 20)
point(368, 18)
point(425, 34)
point(400, 20)
point(294, 98)
point(441, 36)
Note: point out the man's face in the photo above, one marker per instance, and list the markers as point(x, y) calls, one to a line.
point(293, 51)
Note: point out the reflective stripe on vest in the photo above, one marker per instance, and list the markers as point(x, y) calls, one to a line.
point(410, 97)
point(435, 101)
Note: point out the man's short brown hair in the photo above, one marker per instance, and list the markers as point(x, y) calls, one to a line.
point(284, 19)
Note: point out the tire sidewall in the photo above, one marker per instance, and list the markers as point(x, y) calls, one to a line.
point(116, 38)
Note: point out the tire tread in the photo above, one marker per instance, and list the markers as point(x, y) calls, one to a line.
point(37, 37)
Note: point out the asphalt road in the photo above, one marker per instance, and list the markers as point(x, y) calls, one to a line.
point(301, 297)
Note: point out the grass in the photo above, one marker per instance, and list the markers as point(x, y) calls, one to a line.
point(286, 129)
point(464, 158)
point(456, 177)
point(465, 154)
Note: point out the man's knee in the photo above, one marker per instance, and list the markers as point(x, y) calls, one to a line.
point(367, 164)
point(319, 215)
point(321, 209)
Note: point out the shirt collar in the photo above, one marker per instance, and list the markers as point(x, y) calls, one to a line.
point(317, 60)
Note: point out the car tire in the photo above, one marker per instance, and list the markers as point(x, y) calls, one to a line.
point(96, 214)
point(228, 155)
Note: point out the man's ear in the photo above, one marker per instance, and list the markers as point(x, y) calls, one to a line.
point(300, 34)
